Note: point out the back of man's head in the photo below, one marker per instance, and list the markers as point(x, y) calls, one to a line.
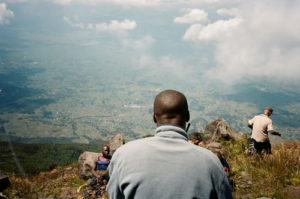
point(268, 111)
point(170, 107)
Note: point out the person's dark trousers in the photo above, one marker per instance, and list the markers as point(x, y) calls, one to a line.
point(259, 147)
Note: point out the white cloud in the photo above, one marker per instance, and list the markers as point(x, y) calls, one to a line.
point(5, 14)
point(193, 16)
point(14, 1)
point(77, 25)
point(217, 30)
point(263, 41)
point(140, 44)
point(132, 3)
point(143, 3)
point(228, 12)
point(192, 33)
point(160, 67)
point(119, 2)
point(63, 2)
point(113, 26)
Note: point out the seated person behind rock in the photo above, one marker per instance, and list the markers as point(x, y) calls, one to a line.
point(195, 138)
point(224, 162)
point(101, 163)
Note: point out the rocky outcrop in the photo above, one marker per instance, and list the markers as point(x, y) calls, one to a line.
point(85, 164)
point(87, 159)
point(115, 142)
point(214, 146)
point(219, 129)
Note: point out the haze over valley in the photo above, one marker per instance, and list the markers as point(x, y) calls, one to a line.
point(81, 71)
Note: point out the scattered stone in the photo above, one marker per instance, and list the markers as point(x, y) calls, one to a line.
point(214, 145)
point(49, 197)
point(69, 169)
point(85, 164)
point(245, 176)
point(89, 181)
point(115, 142)
point(68, 193)
point(263, 198)
point(96, 188)
point(54, 171)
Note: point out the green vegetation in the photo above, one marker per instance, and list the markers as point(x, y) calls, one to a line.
point(34, 158)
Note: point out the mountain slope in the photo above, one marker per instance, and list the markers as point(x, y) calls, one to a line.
point(274, 176)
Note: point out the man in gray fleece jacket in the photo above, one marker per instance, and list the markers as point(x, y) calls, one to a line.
point(167, 165)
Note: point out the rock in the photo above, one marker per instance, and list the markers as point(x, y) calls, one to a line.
point(67, 192)
point(85, 164)
point(87, 159)
point(115, 142)
point(4, 181)
point(96, 189)
point(219, 129)
point(263, 198)
point(69, 169)
point(49, 197)
point(245, 176)
point(214, 145)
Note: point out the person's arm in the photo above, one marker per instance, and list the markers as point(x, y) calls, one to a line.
point(250, 123)
point(94, 169)
point(271, 130)
point(274, 132)
point(225, 163)
point(106, 174)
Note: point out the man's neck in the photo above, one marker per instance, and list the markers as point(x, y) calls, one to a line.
point(170, 124)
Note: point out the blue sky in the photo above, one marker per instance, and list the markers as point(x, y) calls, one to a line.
point(228, 41)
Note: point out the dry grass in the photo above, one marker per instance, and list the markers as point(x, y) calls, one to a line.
point(276, 175)
point(62, 181)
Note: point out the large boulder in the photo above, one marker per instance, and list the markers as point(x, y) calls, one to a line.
point(115, 142)
point(214, 146)
point(219, 129)
point(87, 159)
point(85, 164)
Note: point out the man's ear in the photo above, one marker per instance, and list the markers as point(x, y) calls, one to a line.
point(154, 117)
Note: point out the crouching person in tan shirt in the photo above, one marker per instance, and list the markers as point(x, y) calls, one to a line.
point(261, 126)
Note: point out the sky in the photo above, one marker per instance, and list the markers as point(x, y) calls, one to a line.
point(229, 41)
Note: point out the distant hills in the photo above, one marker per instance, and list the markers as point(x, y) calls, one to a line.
point(28, 159)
